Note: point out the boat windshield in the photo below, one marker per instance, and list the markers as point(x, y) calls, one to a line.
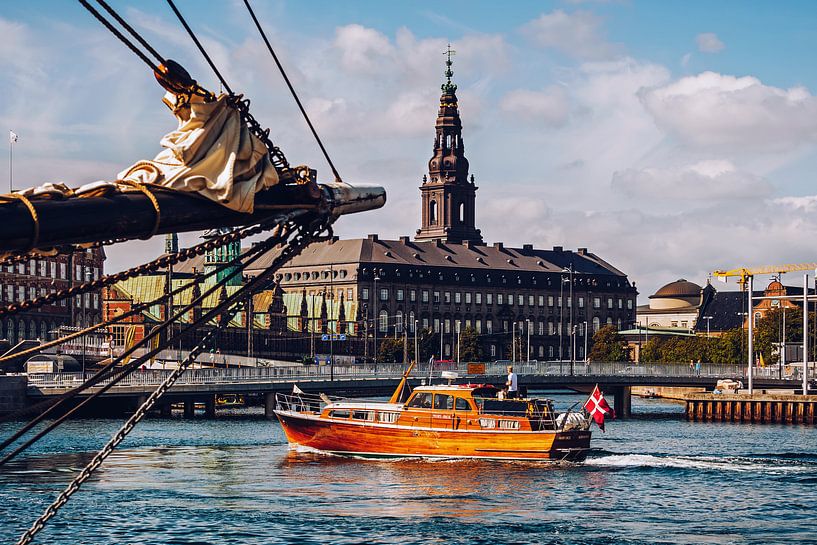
point(421, 400)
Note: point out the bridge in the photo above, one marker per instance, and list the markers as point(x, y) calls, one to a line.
point(202, 385)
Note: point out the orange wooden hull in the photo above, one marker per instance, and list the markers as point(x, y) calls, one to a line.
point(371, 439)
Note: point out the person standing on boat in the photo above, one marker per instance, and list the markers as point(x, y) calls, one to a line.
point(512, 383)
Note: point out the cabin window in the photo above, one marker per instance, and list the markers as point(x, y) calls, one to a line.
point(339, 414)
point(421, 401)
point(363, 415)
point(461, 404)
point(487, 423)
point(443, 401)
point(508, 424)
point(387, 417)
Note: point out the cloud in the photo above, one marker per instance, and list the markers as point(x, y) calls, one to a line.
point(699, 184)
point(578, 34)
point(708, 42)
point(363, 50)
point(728, 113)
point(549, 107)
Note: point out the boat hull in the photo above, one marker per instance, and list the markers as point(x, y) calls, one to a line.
point(370, 439)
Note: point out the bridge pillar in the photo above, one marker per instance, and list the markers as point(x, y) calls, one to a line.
point(210, 407)
point(166, 410)
point(189, 408)
point(269, 405)
point(622, 402)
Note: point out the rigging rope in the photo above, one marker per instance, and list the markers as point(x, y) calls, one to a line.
point(303, 236)
point(110, 370)
point(119, 35)
point(292, 90)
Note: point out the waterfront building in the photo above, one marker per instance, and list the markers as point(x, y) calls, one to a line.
point(675, 306)
point(40, 276)
point(447, 278)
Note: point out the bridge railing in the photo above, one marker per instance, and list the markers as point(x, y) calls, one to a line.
point(245, 375)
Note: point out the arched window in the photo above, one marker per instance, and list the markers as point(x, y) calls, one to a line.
point(411, 321)
point(10, 333)
point(399, 324)
point(43, 331)
point(618, 324)
point(596, 324)
point(462, 212)
point(609, 321)
point(432, 212)
point(383, 321)
point(32, 330)
point(550, 351)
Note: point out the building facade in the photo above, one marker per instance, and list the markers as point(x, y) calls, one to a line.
point(41, 276)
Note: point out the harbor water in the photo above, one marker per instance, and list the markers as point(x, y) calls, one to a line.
point(655, 478)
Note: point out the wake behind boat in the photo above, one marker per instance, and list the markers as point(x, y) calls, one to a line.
point(439, 421)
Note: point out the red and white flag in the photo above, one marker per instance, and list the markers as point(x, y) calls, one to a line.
point(598, 408)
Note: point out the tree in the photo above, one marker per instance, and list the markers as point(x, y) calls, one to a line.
point(470, 349)
point(608, 345)
point(391, 350)
point(428, 343)
point(769, 332)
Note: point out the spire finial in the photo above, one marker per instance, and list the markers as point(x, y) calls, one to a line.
point(449, 87)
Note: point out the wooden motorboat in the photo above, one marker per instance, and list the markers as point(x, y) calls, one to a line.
point(439, 421)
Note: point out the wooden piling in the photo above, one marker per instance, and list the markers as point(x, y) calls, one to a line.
point(758, 408)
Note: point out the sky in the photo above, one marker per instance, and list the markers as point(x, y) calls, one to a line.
point(670, 138)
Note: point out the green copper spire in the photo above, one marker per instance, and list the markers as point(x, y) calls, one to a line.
point(448, 87)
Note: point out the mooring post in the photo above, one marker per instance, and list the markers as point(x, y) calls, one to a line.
point(269, 405)
point(210, 406)
point(189, 408)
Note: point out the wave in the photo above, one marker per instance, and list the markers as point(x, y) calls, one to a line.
point(706, 463)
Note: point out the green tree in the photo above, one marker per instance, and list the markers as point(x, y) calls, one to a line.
point(391, 350)
point(608, 345)
point(727, 348)
point(470, 349)
point(769, 332)
point(428, 343)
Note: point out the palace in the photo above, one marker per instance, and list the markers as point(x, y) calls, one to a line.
point(447, 279)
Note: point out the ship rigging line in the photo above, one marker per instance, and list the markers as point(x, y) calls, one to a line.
point(110, 370)
point(293, 242)
point(292, 90)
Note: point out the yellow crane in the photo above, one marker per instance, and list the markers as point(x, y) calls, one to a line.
point(744, 273)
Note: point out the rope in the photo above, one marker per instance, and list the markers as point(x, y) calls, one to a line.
point(35, 237)
point(198, 44)
point(301, 240)
point(292, 90)
point(152, 198)
point(119, 35)
point(130, 29)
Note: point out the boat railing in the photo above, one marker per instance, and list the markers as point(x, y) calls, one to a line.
point(539, 411)
point(302, 402)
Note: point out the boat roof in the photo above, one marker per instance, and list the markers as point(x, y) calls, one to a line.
point(454, 387)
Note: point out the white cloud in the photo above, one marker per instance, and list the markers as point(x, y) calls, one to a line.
point(695, 185)
point(578, 34)
point(708, 42)
point(363, 50)
point(549, 107)
point(728, 113)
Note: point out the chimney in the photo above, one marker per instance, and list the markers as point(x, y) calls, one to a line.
point(527, 247)
point(582, 251)
point(557, 248)
point(372, 237)
point(405, 239)
point(499, 246)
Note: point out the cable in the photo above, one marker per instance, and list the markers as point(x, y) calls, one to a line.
point(198, 44)
point(294, 94)
point(130, 29)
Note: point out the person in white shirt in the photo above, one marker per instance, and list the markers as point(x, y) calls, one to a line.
point(512, 383)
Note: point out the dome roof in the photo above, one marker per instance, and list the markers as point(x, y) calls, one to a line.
point(679, 288)
point(775, 285)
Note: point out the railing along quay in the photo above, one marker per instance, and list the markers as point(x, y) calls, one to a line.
point(283, 374)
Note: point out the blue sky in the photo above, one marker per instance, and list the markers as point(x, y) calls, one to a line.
point(671, 138)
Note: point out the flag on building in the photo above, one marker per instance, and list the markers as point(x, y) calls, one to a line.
point(598, 408)
point(12, 137)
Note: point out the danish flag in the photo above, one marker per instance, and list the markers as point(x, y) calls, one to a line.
point(598, 408)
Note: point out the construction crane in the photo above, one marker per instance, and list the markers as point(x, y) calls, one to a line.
point(743, 273)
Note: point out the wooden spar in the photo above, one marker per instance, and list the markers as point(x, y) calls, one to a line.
point(395, 398)
point(132, 215)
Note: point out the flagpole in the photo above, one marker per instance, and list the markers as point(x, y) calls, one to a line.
point(11, 164)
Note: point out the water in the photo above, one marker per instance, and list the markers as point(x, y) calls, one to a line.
point(233, 480)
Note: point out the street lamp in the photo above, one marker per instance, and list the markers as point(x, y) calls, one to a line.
point(85, 299)
point(376, 317)
point(586, 357)
point(707, 318)
point(570, 271)
point(416, 353)
point(528, 326)
point(331, 330)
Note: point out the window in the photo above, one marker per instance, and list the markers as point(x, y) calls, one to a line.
point(399, 317)
point(364, 294)
point(425, 323)
point(468, 298)
point(541, 300)
point(569, 302)
point(609, 302)
point(505, 325)
point(387, 417)
point(541, 351)
point(489, 297)
point(674, 323)
point(413, 295)
point(461, 404)
point(363, 415)
point(618, 324)
point(551, 328)
point(493, 350)
point(443, 401)
point(541, 329)
point(436, 325)
point(384, 294)
point(581, 302)
point(550, 300)
point(520, 300)
point(447, 298)
point(339, 414)
point(32, 267)
point(399, 295)
point(457, 298)
point(432, 212)
point(478, 298)
point(499, 299)
point(447, 326)
point(350, 294)
point(425, 296)
point(489, 326)
point(550, 351)
point(436, 297)
point(412, 319)
point(478, 326)
point(383, 326)
point(609, 321)
point(596, 324)
point(629, 304)
point(421, 401)
point(559, 301)
point(620, 303)
point(43, 268)
point(596, 302)
point(530, 300)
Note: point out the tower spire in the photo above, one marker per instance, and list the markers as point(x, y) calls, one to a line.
point(448, 87)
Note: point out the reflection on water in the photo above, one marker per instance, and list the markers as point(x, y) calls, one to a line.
point(234, 480)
